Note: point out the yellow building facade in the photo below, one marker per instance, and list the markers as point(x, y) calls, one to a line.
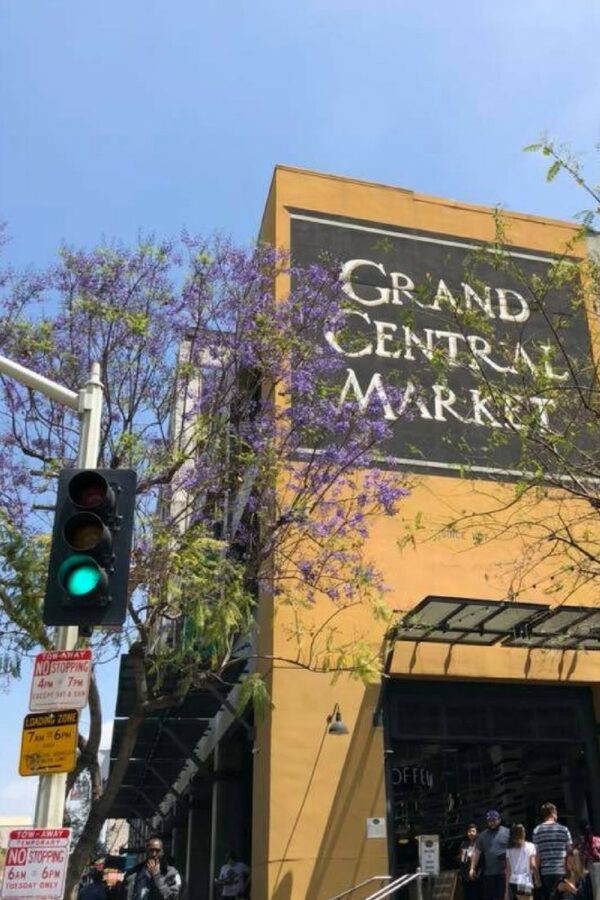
point(330, 811)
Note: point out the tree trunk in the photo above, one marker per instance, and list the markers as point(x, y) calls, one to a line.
point(100, 807)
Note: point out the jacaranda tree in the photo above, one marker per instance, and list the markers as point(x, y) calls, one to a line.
point(253, 480)
point(538, 401)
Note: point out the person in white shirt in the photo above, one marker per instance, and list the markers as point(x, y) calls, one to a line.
point(521, 872)
point(233, 877)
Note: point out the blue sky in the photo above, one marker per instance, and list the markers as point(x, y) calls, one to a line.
point(118, 116)
point(145, 115)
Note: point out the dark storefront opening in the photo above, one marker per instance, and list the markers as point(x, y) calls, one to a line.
point(456, 749)
point(211, 813)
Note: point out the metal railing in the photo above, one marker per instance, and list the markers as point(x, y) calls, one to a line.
point(355, 887)
point(390, 889)
point(387, 890)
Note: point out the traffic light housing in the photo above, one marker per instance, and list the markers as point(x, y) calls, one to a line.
point(91, 546)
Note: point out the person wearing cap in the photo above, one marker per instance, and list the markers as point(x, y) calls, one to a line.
point(492, 844)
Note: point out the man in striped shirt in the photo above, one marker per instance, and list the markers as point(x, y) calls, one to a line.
point(552, 841)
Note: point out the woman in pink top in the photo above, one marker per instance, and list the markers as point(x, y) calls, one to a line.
point(588, 845)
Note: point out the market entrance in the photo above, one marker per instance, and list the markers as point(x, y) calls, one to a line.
point(456, 749)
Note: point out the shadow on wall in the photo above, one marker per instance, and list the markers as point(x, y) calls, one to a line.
point(359, 793)
point(284, 888)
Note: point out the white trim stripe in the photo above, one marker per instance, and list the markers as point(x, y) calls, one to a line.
point(458, 468)
point(414, 237)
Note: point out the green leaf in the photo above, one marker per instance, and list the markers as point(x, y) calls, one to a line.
point(553, 170)
point(253, 690)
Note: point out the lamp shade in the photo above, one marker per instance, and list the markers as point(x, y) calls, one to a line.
point(336, 725)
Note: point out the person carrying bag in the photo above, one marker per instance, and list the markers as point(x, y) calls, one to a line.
point(521, 872)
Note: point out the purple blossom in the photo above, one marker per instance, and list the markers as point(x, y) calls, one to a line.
point(224, 399)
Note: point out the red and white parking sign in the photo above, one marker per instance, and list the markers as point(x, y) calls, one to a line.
point(36, 863)
point(60, 680)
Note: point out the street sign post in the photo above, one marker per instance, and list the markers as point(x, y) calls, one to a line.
point(49, 743)
point(61, 680)
point(36, 864)
point(50, 802)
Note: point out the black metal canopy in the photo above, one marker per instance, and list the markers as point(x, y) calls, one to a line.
point(461, 620)
point(165, 743)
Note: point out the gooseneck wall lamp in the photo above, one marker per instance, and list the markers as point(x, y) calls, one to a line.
point(336, 725)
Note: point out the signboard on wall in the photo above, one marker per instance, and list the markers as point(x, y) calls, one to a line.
point(429, 854)
point(406, 291)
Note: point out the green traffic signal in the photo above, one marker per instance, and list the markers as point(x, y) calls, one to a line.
point(82, 580)
point(91, 545)
point(81, 577)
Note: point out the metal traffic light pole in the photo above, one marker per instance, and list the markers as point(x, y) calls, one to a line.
point(50, 801)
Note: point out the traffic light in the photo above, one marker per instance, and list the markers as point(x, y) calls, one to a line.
point(91, 546)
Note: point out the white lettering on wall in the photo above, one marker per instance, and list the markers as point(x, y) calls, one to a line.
point(505, 313)
point(348, 270)
point(402, 286)
point(442, 404)
point(472, 296)
point(511, 306)
point(332, 340)
point(391, 336)
point(375, 388)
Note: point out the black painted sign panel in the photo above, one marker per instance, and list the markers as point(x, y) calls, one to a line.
point(402, 335)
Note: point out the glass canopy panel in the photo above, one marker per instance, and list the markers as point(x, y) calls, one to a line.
point(486, 639)
point(432, 611)
point(571, 642)
point(471, 615)
point(589, 643)
point(452, 620)
point(439, 636)
point(562, 620)
point(530, 642)
point(590, 625)
point(513, 616)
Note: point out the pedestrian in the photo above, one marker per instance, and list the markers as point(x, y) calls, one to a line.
point(154, 878)
point(95, 889)
point(492, 844)
point(552, 841)
point(588, 845)
point(575, 882)
point(234, 877)
point(471, 889)
point(521, 872)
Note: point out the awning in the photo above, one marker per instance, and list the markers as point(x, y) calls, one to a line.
point(461, 620)
point(164, 745)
